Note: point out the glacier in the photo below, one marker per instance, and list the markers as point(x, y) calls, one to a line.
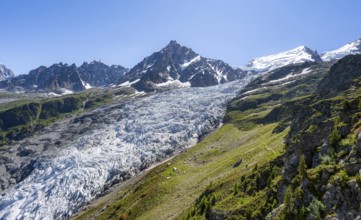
point(133, 136)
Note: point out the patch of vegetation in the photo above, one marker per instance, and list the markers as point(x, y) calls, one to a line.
point(23, 118)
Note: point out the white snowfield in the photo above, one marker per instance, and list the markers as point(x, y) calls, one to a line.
point(148, 130)
point(350, 48)
point(262, 64)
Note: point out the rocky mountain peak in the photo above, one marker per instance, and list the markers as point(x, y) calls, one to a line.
point(5, 73)
point(179, 66)
point(173, 44)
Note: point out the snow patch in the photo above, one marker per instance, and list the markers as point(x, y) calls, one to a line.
point(291, 76)
point(85, 84)
point(186, 64)
point(65, 91)
point(127, 83)
point(175, 83)
point(219, 73)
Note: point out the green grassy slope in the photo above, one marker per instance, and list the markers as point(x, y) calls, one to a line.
point(170, 188)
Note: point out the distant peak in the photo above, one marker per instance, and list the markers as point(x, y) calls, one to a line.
point(302, 48)
point(299, 54)
point(96, 62)
point(173, 42)
point(353, 47)
point(172, 45)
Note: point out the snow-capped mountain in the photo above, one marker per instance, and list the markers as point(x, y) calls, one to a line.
point(350, 48)
point(5, 73)
point(298, 55)
point(179, 66)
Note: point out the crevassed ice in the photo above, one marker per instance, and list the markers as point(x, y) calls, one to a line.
point(152, 128)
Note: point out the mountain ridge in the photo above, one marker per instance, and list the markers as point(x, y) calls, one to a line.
point(180, 65)
point(173, 66)
point(64, 79)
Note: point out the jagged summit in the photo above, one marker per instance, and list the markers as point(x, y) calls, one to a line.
point(173, 43)
point(180, 66)
point(98, 74)
point(350, 48)
point(297, 55)
point(5, 73)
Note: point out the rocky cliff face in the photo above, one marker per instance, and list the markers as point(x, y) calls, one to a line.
point(343, 75)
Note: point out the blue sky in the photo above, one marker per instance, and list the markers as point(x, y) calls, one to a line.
point(43, 32)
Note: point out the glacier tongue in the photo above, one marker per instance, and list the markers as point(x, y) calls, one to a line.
point(145, 131)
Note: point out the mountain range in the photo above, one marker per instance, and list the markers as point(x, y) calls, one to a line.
point(64, 79)
point(172, 67)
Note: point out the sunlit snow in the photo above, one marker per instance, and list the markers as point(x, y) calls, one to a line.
point(271, 62)
point(350, 48)
point(188, 63)
point(291, 76)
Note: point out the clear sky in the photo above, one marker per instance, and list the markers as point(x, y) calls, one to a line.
point(44, 32)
